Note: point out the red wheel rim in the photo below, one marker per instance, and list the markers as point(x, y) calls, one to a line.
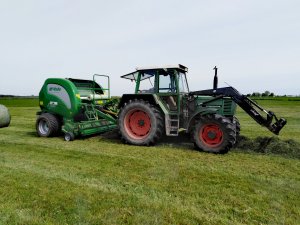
point(211, 135)
point(137, 124)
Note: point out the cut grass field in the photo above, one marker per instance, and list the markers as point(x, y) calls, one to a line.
point(99, 180)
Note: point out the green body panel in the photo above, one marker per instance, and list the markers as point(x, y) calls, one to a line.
point(61, 97)
point(161, 104)
point(225, 106)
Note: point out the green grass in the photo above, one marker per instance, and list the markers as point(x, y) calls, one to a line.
point(99, 180)
point(20, 102)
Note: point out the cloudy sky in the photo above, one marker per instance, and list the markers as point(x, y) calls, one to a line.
point(255, 43)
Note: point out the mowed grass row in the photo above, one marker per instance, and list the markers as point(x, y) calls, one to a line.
point(99, 180)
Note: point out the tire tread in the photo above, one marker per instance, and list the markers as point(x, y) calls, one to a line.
point(229, 128)
point(152, 139)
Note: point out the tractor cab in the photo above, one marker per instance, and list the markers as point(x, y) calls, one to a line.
point(168, 83)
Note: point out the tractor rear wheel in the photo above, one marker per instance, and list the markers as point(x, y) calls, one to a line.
point(47, 125)
point(214, 133)
point(140, 123)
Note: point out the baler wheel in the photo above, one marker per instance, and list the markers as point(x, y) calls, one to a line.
point(69, 136)
point(214, 133)
point(140, 123)
point(47, 125)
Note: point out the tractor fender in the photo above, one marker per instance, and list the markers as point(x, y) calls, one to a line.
point(198, 113)
point(151, 98)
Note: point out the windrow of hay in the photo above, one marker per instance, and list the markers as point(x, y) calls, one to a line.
point(270, 145)
point(265, 145)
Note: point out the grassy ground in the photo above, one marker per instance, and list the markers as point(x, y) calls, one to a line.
point(99, 180)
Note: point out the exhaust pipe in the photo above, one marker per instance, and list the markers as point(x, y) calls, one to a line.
point(215, 78)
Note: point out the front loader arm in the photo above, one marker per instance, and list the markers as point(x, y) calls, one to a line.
point(248, 105)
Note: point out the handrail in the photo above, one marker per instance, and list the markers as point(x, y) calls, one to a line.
point(108, 83)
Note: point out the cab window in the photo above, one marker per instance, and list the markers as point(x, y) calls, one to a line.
point(183, 87)
point(167, 83)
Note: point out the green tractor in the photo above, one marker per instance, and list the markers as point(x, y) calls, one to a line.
point(75, 107)
point(163, 105)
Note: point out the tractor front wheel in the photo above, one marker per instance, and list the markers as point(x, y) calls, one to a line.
point(237, 125)
point(214, 133)
point(140, 123)
point(47, 125)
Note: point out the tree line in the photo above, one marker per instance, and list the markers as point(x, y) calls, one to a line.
point(264, 94)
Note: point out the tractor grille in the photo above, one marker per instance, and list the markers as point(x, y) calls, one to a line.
point(228, 106)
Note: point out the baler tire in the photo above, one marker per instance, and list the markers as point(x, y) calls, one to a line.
point(214, 133)
point(47, 125)
point(140, 123)
point(69, 136)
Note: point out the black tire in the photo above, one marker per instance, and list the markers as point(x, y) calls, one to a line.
point(214, 133)
point(140, 123)
point(47, 125)
point(69, 136)
point(237, 126)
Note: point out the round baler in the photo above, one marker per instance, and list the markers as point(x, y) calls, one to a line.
point(75, 107)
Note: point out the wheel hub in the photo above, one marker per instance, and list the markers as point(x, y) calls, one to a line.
point(138, 124)
point(43, 127)
point(141, 123)
point(211, 135)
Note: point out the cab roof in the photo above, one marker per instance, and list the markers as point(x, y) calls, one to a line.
point(150, 71)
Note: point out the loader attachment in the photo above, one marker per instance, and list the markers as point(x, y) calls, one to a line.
point(248, 105)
